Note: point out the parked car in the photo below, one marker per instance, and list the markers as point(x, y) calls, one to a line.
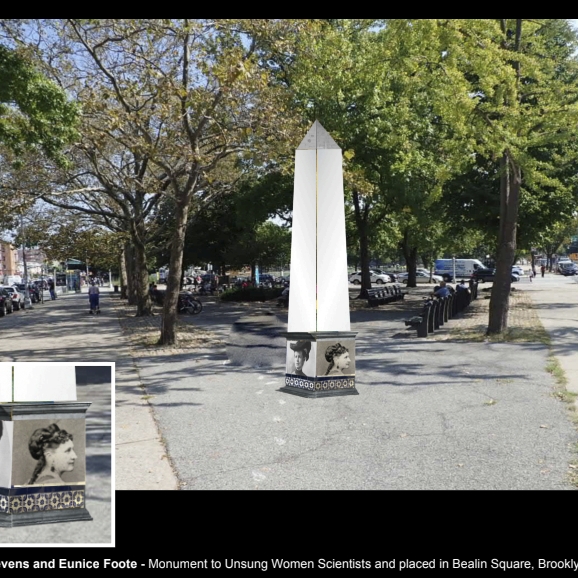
point(33, 291)
point(569, 270)
point(6, 305)
point(391, 274)
point(375, 277)
point(17, 298)
point(210, 278)
point(563, 265)
point(486, 274)
point(517, 270)
point(421, 276)
point(266, 279)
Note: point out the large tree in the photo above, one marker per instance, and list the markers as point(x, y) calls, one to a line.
point(165, 102)
point(382, 91)
point(36, 115)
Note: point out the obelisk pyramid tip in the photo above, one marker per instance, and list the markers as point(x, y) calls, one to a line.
point(317, 138)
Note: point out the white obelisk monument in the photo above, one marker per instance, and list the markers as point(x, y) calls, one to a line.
point(320, 344)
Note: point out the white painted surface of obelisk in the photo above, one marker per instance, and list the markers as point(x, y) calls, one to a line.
point(319, 295)
point(44, 382)
point(5, 382)
point(332, 282)
point(302, 314)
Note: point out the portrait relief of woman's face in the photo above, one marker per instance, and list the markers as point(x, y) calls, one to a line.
point(62, 458)
point(39, 458)
point(338, 358)
point(299, 360)
point(342, 361)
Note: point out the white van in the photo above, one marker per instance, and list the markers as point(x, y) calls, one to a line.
point(10, 280)
point(464, 268)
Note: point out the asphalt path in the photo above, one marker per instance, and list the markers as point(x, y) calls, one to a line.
point(556, 300)
point(430, 415)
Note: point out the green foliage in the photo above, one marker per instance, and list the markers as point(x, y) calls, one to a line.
point(251, 294)
point(34, 111)
point(233, 229)
point(69, 238)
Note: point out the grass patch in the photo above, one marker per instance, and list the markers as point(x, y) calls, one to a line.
point(535, 334)
point(560, 392)
point(555, 369)
point(477, 334)
point(573, 473)
point(573, 468)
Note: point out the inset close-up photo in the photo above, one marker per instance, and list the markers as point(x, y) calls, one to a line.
point(56, 453)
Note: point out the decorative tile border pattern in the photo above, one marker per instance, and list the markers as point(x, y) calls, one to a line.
point(39, 502)
point(319, 384)
point(293, 381)
point(343, 383)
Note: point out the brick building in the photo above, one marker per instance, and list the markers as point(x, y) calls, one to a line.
point(8, 260)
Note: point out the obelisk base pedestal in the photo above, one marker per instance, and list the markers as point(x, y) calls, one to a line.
point(47, 517)
point(320, 364)
point(40, 442)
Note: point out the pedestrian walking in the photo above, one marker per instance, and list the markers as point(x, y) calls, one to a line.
point(532, 274)
point(93, 298)
point(51, 289)
point(543, 270)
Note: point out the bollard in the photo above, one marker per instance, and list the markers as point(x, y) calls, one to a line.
point(431, 315)
point(422, 328)
point(436, 313)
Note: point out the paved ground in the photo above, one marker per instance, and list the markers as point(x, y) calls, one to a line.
point(435, 413)
point(556, 301)
point(431, 414)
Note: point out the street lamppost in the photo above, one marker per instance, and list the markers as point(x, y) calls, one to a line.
point(27, 302)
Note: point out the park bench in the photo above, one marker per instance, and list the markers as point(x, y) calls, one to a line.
point(376, 297)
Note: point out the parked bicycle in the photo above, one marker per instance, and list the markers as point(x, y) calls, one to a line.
point(187, 303)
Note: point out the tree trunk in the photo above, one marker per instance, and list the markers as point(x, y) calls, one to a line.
point(130, 270)
point(141, 276)
point(123, 276)
point(169, 321)
point(410, 256)
point(510, 182)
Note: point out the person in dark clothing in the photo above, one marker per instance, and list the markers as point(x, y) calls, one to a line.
point(443, 291)
point(51, 289)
